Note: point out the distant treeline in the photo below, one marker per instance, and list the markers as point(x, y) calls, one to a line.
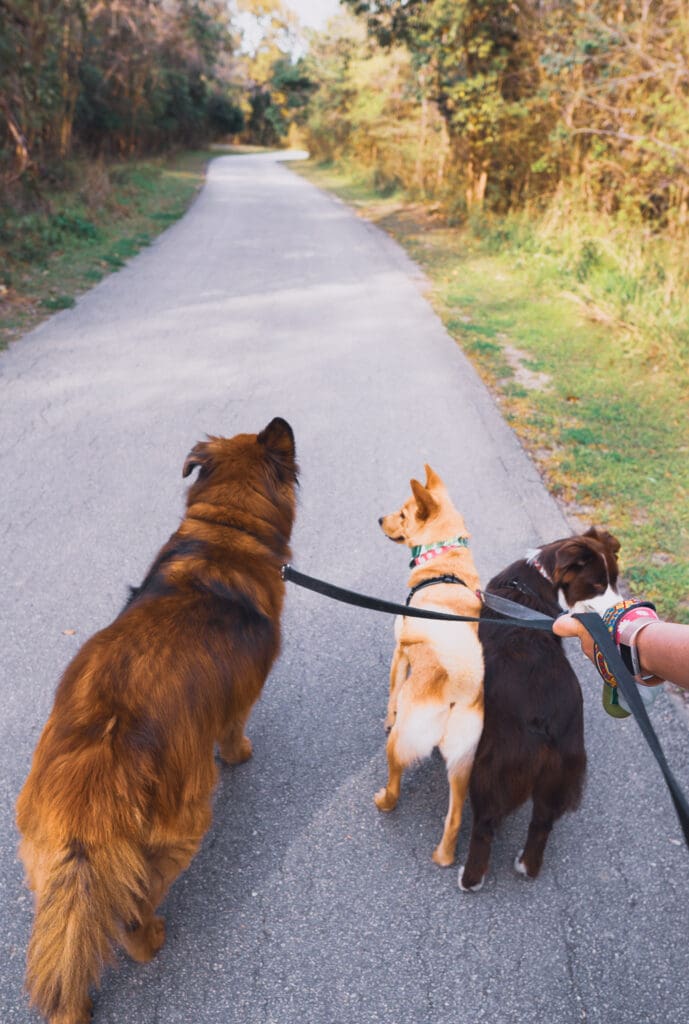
point(497, 104)
point(110, 77)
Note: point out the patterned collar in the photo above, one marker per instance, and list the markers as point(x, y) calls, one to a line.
point(422, 553)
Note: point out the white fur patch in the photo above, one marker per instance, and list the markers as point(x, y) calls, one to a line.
point(462, 733)
point(471, 888)
point(418, 729)
point(519, 865)
point(599, 603)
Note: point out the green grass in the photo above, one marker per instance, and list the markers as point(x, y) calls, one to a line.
point(85, 230)
point(609, 426)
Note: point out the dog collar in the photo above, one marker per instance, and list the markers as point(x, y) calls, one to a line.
point(422, 553)
point(532, 559)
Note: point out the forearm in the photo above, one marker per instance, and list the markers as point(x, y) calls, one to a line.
point(664, 650)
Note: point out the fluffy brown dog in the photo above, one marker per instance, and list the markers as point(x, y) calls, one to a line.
point(119, 793)
point(436, 676)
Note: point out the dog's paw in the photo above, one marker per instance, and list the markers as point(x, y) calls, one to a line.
point(238, 753)
point(442, 858)
point(520, 867)
point(384, 801)
point(468, 888)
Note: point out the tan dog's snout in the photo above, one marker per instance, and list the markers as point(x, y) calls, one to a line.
point(393, 527)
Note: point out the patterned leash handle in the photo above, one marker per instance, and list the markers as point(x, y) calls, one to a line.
point(624, 621)
point(630, 691)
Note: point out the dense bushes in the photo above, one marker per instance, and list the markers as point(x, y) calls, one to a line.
point(113, 78)
point(498, 105)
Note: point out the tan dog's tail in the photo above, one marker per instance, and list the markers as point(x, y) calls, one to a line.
point(85, 894)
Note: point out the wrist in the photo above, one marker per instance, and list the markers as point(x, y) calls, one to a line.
point(638, 643)
point(628, 629)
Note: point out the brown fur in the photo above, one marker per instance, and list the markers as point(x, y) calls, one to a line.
point(436, 676)
point(532, 745)
point(119, 793)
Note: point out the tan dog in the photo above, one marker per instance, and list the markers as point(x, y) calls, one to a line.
point(120, 789)
point(436, 676)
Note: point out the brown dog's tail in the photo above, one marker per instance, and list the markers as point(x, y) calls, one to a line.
point(85, 894)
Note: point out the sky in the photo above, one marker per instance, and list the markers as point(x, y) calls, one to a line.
point(314, 13)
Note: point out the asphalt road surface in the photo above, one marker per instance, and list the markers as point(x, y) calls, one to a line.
point(305, 904)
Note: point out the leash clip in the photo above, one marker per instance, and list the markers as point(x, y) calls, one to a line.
point(283, 571)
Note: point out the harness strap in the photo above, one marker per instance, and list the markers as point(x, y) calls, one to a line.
point(448, 578)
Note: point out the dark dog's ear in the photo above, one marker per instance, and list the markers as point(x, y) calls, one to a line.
point(425, 504)
point(573, 554)
point(200, 455)
point(278, 440)
point(607, 539)
point(278, 436)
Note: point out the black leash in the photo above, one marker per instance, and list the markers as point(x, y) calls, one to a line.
point(598, 630)
point(513, 614)
point(375, 604)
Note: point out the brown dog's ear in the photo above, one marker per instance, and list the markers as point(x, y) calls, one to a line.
point(200, 455)
point(573, 554)
point(278, 437)
point(425, 504)
point(432, 478)
point(607, 539)
point(278, 440)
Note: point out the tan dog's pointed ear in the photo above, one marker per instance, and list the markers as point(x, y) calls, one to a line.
point(432, 478)
point(425, 504)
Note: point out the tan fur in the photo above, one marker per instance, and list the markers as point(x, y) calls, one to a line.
point(436, 675)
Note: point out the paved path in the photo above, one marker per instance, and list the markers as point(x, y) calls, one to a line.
point(305, 904)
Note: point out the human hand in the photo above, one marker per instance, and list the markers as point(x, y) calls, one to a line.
point(567, 625)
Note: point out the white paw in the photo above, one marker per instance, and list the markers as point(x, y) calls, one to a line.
point(471, 888)
point(519, 866)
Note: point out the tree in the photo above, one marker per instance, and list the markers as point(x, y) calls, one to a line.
point(480, 69)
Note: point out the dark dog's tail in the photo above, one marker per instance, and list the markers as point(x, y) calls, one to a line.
point(85, 894)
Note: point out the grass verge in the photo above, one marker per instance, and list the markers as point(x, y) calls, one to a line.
point(602, 407)
point(57, 245)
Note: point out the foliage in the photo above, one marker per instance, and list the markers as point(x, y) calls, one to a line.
point(92, 225)
point(278, 87)
point(114, 77)
point(479, 67)
point(531, 95)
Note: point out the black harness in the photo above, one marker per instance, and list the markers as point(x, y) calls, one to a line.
point(448, 578)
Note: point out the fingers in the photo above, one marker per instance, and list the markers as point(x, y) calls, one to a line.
point(565, 625)
point(568, 626)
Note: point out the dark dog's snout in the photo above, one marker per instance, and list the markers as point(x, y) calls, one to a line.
point(380, 520)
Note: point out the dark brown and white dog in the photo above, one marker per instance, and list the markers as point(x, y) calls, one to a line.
point(532, 745)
